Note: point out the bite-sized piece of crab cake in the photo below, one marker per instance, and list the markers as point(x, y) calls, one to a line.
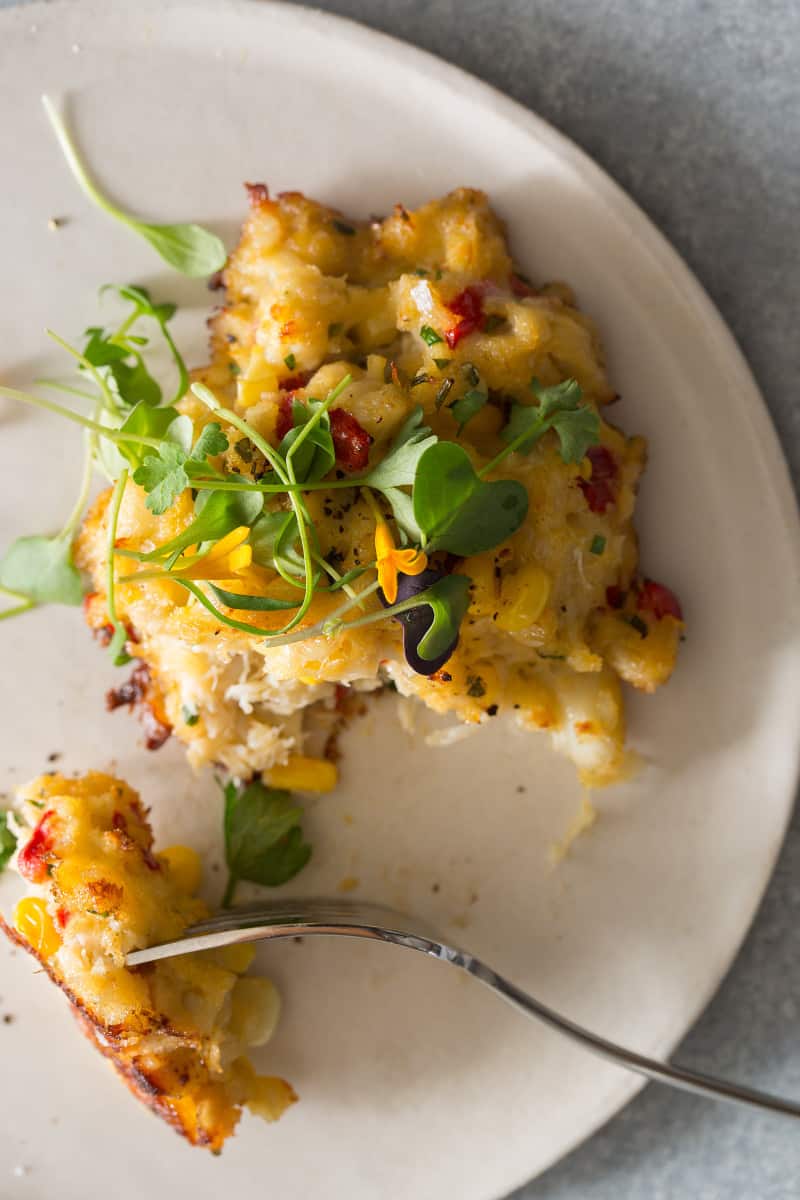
point(176, 1030)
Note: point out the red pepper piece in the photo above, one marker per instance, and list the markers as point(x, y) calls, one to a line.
point(519, 287)
point(657, 599)
point(599, 490)
point(469, 306)
point(293, 382)
point(285, 421)
point(351, 441)
point(62, 916)
point(32, 860)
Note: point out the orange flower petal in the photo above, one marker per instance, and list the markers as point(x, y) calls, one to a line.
point(387, 578)
point(411, 561)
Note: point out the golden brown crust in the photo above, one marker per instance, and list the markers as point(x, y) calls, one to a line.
point(107, 1040)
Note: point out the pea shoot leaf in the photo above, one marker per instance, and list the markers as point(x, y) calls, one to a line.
point(161, 313)
point(42, 570)
point(144, 421)
point(315, 456)
point(263, 836)
point(559, 408)
point(8, 841)
point(251, 603)
point(399, 467)
point(190, 249)
point(403, 509)
point(274, 539)
point(449, 601)
point(217, 514)
point(459, 512)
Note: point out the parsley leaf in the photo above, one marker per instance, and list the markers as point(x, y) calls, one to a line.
point(263, 836)
point(465, 408)
point(41, 569)
point(163, 477)
point(8, 841)
point(576, 425)
point(211, 441)
point(166, 474)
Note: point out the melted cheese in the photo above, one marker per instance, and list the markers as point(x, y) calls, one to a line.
point(540, 639)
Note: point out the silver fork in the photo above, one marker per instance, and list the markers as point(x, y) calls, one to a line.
point(294, 918)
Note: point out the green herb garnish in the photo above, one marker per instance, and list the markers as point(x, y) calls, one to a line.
point(559, 408)
point(189, 714)
point(598, 544)
point(442, 363)
point(8, 841)
point(263, 837)
point(291, 361)
point(429, 335)
point(465, 408)
point(168, 473)
point(445, 387)
point(458, 511)
point(190, 249)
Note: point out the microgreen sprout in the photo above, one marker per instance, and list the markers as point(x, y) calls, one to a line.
point(188, 248)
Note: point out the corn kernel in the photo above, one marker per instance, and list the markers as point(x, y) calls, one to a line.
point(270, 1097)
point(304, 775)
point(185, 867)
point(34, 923)
point(255, 1009)
point(524, 595)
point(376, 364)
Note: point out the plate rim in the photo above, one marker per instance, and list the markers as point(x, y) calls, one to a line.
point(621, 207)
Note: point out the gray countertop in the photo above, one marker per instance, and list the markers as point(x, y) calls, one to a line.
point(694, 107)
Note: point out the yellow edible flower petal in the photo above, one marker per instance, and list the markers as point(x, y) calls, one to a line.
point(390, 561)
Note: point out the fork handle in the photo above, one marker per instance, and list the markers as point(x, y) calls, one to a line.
point(672, 1074)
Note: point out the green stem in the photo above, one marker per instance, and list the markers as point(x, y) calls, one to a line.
point(87, 185)
point(18, 609)
point(87, 366)
point(529, 435)
point(113, 435)
point(228, 485)
point(74, 517)
point(210, 400)
point(331, 572)
point(111, 601)
point(200, 595)
point(392, 611)
point(230, 888)
point(314, 630)
point(64, 387)
point(315, 419)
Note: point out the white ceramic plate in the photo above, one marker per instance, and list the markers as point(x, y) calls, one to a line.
point(414, 1082)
